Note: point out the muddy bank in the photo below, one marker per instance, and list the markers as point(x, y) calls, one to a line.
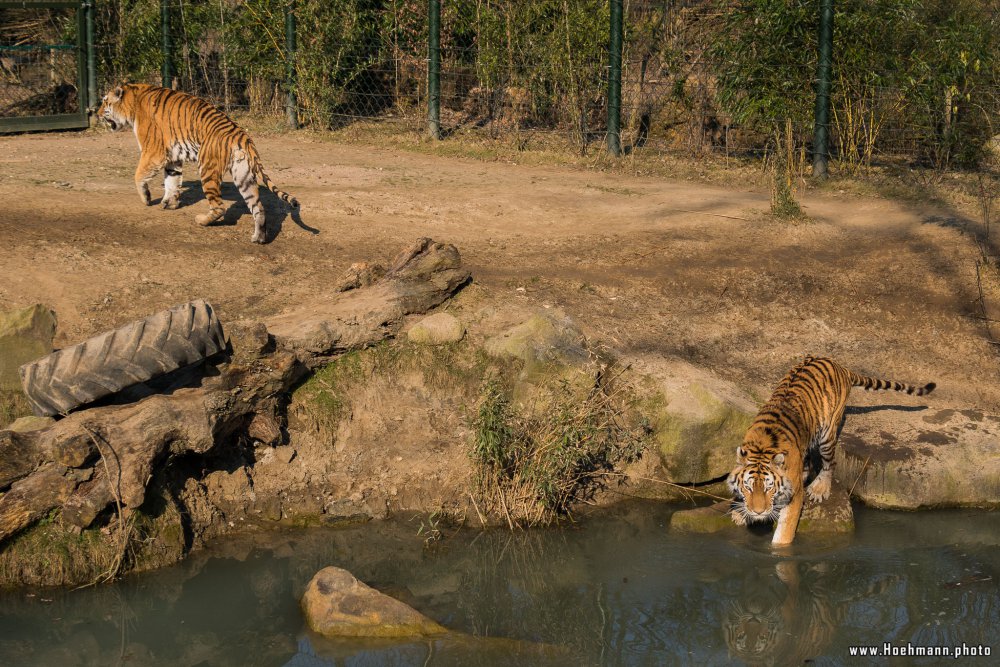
point(403, 425)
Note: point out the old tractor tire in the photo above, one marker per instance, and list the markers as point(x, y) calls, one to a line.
point(137, 352)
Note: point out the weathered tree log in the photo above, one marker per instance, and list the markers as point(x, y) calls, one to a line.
point(413, 283)
point(96, 457)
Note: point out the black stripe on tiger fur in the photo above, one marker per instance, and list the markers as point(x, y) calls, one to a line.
point(172, 127)
point(802, 416)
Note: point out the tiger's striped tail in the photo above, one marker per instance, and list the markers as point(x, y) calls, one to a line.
point(876, 384)
point(258, 170)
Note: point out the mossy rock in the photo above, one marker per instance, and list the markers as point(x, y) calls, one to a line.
point(54, 554)
point(30, 423)
point(545, 337)
point(25, 335)
point(710, 519)
point(698, 419)
point(941, 458)
point(832, 516)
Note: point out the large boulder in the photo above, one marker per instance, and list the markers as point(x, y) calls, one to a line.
point(944, 458)
point(25, 335)
point(338, 605)
point(698, 420)
point(832, 516)
point(437, 329)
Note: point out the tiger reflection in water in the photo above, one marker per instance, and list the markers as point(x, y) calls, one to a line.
point(789, 619)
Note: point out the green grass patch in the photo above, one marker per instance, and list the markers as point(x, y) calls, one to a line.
point(51, 553)
point(326, 396)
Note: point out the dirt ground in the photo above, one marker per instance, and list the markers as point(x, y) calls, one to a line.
point(646, 265)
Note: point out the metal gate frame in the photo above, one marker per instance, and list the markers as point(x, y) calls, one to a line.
point(84, 91)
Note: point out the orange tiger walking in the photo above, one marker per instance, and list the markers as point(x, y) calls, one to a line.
point(802, 415)
point(173, 127)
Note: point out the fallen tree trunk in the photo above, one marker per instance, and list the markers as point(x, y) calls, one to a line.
point(96, 457)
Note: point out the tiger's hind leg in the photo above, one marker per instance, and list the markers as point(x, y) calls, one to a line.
point(172, 185)
point(246, 181)
point(211, 184)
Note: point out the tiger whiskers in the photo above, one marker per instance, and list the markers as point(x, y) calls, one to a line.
point(741, 515)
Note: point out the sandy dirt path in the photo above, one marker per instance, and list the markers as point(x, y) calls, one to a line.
point(645, 264)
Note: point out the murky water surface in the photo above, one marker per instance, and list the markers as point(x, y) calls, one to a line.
point(616, 590)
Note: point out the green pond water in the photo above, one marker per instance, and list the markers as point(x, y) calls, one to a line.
point(615, 589)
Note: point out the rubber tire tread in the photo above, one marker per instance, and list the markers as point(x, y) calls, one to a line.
point(137, 352)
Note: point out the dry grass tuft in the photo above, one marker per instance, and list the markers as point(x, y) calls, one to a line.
point(13, 404)
point(533, 467)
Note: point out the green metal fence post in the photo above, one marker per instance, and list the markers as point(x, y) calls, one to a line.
point(167, 75)
point(615, 79)
point(291, 103)
point(91, 58)
point(434, 68)
point(821, 139)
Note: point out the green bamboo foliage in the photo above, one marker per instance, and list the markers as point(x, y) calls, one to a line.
point(917, 75)
point(916, 79)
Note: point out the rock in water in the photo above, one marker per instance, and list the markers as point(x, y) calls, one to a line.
point(338, 605)
point(437, 329)
point(832, 516)
point(710, 519)
point(25, 335)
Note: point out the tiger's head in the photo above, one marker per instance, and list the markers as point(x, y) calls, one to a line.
point(753, 630)
point(116, 109)
point(759, 484)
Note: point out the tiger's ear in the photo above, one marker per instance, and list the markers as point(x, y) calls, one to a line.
point(779, 460)
point(741, 454)
point(118, 92)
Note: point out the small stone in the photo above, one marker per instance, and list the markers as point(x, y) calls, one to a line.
point(338, 605)
point(437, 329)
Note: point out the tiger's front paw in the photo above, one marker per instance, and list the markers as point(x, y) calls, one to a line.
point(170, 203)
point(819, 490)
point(144, 195)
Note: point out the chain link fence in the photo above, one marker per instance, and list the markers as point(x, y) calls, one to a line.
point(41, 66)
point(914, 80)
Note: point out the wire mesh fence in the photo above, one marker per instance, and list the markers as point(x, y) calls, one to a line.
point(39, 68)
point(914, 80)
